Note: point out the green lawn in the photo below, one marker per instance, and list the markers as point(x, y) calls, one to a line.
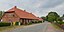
point(57, 27)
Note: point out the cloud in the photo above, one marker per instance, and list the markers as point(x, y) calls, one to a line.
point(52, 3)
point(37, 7)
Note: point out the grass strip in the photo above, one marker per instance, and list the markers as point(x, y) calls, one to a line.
point(57, 27)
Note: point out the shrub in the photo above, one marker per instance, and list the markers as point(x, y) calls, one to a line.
point(60, 22)
point(2, 24)
point(29, 23)
point(17, 23)
point(39, 21)
point(32, 22)
point(36, 22)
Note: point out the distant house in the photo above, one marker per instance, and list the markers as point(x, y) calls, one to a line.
point(17, 15)
point(40, 19)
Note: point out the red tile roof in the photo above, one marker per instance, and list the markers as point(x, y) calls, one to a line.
point(22, 13)
point(40, 19)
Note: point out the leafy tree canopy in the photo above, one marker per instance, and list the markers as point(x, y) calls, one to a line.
point(43, 18)
point(52, 16)
point(1, 14)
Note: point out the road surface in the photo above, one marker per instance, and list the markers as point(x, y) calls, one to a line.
point(43, 27)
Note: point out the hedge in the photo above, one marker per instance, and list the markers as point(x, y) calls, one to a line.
point(3, 24)
point(39, 21)
point(29, 23)
point(60, 22)
point(17, 23)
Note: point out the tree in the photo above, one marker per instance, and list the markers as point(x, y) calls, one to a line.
point(44, 18)
point(1, 14)
point(59, 19)
point(62, 18)
point(52, 16)
point(63, 15)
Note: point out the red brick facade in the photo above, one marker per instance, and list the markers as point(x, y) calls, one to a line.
point(15, 14)
point(10, 17)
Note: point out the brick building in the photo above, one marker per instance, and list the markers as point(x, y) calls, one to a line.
point(17, 15)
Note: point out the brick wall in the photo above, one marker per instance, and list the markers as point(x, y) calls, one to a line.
point(10, 17)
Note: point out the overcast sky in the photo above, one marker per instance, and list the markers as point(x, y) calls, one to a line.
point(37, 7)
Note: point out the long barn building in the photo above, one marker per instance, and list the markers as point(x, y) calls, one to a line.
point(17, 15)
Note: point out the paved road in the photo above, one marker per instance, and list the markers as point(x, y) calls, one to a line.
point(43, 27)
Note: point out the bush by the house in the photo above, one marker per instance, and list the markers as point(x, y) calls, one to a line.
point(17, 23)
point(29, 23)
point(32, 22)
point(39, 21)
point(36, 22)
point(2, 24)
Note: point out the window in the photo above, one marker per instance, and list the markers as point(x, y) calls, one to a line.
point(11, 15)
point(10, 20)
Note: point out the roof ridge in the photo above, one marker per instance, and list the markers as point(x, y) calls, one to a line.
point(22, 13)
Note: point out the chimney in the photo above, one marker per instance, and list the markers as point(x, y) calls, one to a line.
point(24, 10)
point(30, 13)
point(15, 7)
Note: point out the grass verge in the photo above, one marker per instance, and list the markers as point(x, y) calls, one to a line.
point(57, 27)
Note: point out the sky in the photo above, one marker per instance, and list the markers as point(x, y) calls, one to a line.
point(37, 7)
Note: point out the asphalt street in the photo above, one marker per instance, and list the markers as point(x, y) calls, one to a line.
point(43, 27)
